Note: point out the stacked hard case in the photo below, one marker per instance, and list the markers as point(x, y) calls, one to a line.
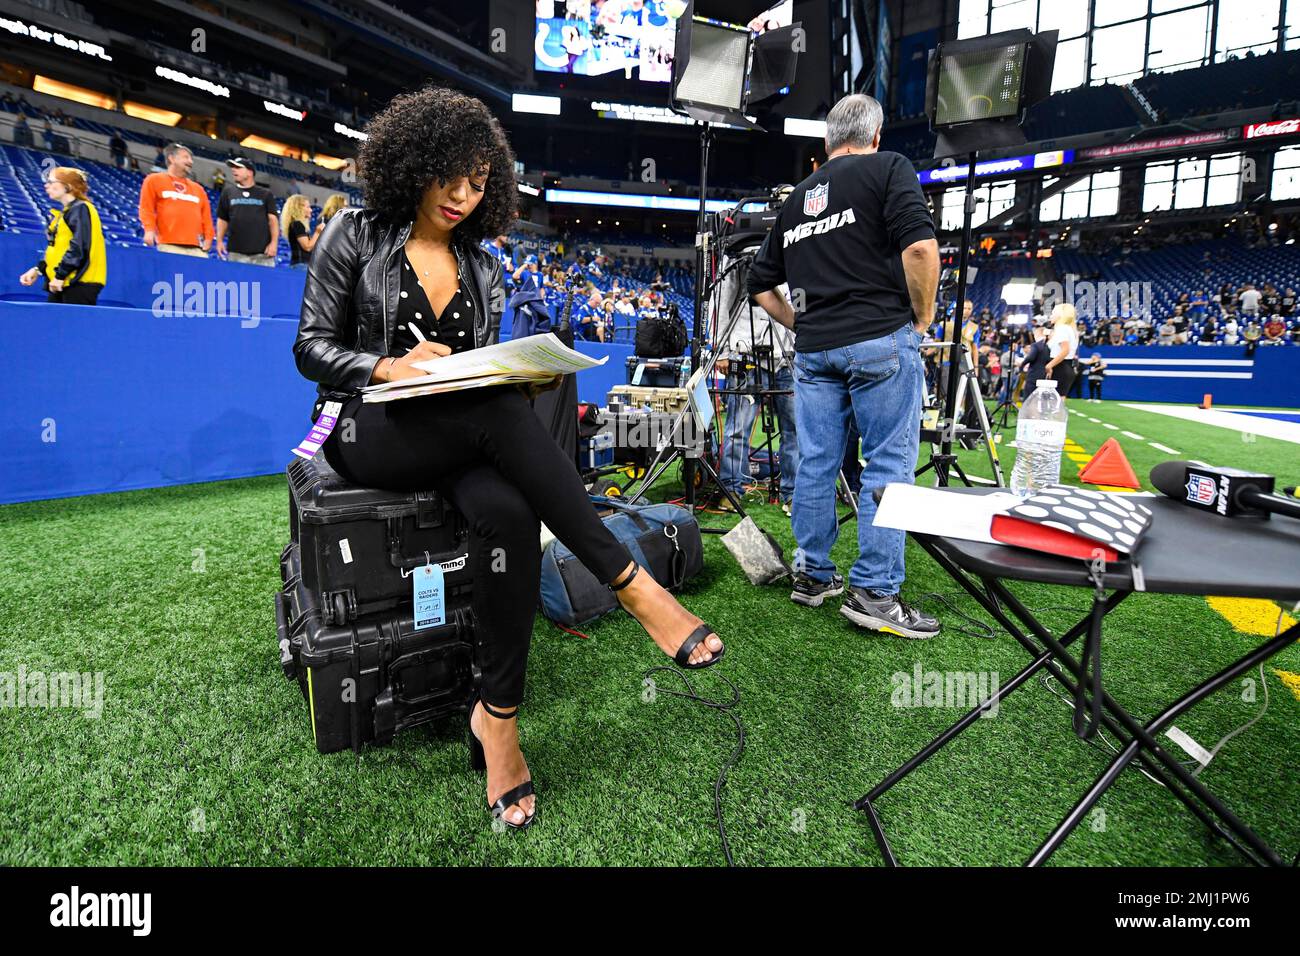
point(345, 613)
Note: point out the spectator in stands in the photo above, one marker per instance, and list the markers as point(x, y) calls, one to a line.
point(22, 131)
point(1197, 309)
point(1096, 369)
point(439, 177)
point(1249, 298)
point(48, 135)
point(247, 228)
point(1181, 324)
point(499, 247)
point(529, 301)
point(74, 266)
point(1286, 303)
point(295, 223)
point(174, 209)
point(1209, 331)
point(1270, 302)
point(334, 204)
point(1231, 330)
point(1274, 331)
point(1167, 332)
point(1063, 344)
point(1115, 332)
point(117, 148)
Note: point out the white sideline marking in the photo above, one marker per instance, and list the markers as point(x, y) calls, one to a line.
point(1248, 424)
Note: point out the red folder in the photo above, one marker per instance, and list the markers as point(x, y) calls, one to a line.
point(1029, 534)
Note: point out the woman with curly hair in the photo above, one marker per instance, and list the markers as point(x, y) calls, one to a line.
point(404, 280)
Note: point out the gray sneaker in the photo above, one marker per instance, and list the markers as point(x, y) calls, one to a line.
point(811, 593)
point(888, 614)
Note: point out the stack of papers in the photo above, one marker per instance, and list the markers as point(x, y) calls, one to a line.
point(535, 359)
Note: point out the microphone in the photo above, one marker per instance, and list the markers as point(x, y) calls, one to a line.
point(1225, 491)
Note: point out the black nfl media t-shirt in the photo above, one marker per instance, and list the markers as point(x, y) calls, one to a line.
point(246, 210)
point(837, 243)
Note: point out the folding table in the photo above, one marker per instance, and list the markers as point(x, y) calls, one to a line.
point(1186, 551)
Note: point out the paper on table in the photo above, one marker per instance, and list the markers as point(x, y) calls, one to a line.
point(939, 511)
point(415, 387)
point(534, 357)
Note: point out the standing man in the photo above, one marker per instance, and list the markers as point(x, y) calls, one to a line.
point(174, 209)
point(248, 229)
point(856, 245)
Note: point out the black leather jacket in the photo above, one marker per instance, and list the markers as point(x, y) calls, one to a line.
point(349, 305)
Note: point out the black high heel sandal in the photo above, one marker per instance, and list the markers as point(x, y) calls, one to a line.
point(683, 656)
point(478, 761)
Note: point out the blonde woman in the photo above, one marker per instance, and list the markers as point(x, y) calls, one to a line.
point(295, 225)
point(1063, 346)
point(333, 204)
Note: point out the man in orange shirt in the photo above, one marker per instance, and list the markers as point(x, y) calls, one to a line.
point(174, 209)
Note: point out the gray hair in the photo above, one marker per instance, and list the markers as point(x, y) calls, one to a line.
point(175, 148)
point(853, 121)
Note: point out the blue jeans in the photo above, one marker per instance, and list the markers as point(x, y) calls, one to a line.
point(879, 381)
point(741, 413)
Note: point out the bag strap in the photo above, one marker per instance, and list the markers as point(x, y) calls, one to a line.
point(632, 511)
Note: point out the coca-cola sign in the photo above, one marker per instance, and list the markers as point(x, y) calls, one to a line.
point(1287, 127)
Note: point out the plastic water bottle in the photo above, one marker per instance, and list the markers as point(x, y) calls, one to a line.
point(1040, 439)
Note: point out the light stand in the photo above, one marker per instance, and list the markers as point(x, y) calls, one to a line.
point(718, 72)
point(977, 92)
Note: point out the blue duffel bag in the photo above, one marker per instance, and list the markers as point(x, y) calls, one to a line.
point(664, 540)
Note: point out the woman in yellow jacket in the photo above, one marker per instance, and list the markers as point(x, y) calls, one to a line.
point(75, 265)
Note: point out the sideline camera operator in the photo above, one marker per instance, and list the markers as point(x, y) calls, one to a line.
point(856, 245)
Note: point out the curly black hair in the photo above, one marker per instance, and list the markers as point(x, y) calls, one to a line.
point(438, 134)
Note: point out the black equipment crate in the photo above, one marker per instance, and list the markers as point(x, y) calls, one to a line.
point(371, 677)
point(658, 373)
point(357, 542)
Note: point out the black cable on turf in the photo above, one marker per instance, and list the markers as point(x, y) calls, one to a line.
point(727, 708)
point(982, 629)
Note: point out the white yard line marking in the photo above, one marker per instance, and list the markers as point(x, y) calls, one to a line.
point(1164, 448)
point(1111, 427)
point(1095, 421)
point(1133, 435)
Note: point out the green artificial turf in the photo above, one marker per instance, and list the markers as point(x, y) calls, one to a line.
point(203, 753)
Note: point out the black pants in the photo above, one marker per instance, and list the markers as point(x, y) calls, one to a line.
point(1094, 388)
point(79, 293)
point(489, 453)
point(1064, 375)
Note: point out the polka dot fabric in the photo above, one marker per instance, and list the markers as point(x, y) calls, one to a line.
point(1113, 520)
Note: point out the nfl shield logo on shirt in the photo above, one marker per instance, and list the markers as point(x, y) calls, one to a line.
point(814, 200)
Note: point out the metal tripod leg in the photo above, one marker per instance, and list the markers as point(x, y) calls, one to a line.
point(978, 400)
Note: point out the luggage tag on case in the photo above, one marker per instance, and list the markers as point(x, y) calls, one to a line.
point(428, 594)
point(329, 417)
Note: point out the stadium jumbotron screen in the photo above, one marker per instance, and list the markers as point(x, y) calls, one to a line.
point(632, 37)
point(980, 85)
